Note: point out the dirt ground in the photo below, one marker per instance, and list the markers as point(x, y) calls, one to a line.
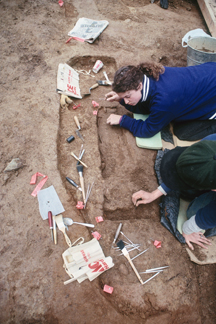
point(34, 128)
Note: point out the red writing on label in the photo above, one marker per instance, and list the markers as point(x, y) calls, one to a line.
point(72, 89)
point(84, 255)
point(98, 266)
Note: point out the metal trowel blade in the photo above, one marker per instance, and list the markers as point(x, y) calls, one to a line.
point(49, 201)
point(80, 136)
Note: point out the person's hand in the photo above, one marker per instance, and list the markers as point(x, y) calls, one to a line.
point(197, 238)
point(113, 119)
point(112, 96)
point(144, 197)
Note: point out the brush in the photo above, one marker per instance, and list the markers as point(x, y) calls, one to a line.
point(80, 170)
point(122, 247)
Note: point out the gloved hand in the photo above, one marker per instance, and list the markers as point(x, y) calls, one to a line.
point(65, 101)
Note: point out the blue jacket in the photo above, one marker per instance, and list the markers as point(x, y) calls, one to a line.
point(180, 94)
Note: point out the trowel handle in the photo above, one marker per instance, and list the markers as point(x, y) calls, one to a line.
point(83, 190)
point(94, 86)
point(68, 241)
point(77, 122)
point(133, 267)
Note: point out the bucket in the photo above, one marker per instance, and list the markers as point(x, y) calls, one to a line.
point(201, 50)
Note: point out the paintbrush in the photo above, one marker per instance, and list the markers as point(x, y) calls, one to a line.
point(80, 170)
point(122, 247)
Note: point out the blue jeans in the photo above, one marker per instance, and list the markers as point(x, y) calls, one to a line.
point(200, 202)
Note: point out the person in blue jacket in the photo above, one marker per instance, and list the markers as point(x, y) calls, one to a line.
point(183, 95)
point(192, 171)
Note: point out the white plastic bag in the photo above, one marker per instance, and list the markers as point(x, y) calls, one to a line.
point(192, 34)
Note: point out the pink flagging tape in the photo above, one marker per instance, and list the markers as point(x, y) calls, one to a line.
point(69, 39)
point(40, 184)
point(60, 2)
point(79, 39)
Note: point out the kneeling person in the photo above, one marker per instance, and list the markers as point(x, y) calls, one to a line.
point(192, 171)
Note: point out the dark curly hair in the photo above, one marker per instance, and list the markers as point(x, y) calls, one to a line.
point(129, 77)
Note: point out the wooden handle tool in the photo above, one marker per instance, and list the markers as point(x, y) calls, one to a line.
point(122, 247)
point(74, 155)
point(83, 190)
point(77, 122)
point(54, 230)
point(80, 170)
point(50, 223)
point(133, 267)
point(94, 86)
point(62, 228)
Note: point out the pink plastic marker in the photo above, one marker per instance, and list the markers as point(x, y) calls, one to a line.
point(80, 205)
point(96, 235)
point(60, 2)
point(99, 219)
point(95, 104)
point(108, 289)
point(76, 106)
point(157, 244)
point(95, 112)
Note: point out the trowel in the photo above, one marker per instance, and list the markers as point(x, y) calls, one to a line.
point(49, 201)
point(91, 88)
point(79, 128)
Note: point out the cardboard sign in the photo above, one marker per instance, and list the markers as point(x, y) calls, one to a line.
point(68, 81)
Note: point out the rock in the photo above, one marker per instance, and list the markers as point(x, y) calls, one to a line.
point(15, 164)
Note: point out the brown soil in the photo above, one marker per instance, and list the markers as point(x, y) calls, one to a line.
point(34, 128)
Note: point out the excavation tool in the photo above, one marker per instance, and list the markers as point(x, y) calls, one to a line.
point(117, 233)
point(140, 254)
point(107, 79)
point(80, 170)
point(79, 128)
point(68, 221)
point(82, 151)
point(49, 201)
point(103, 82)
point(62, 228)
point(73, 183)
point(88, 193)
point(54, 230)
point(155, 269)
point(157, 273)
point(50, 223)
point(91, 88)
point(122, 247)
point(74, 155)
